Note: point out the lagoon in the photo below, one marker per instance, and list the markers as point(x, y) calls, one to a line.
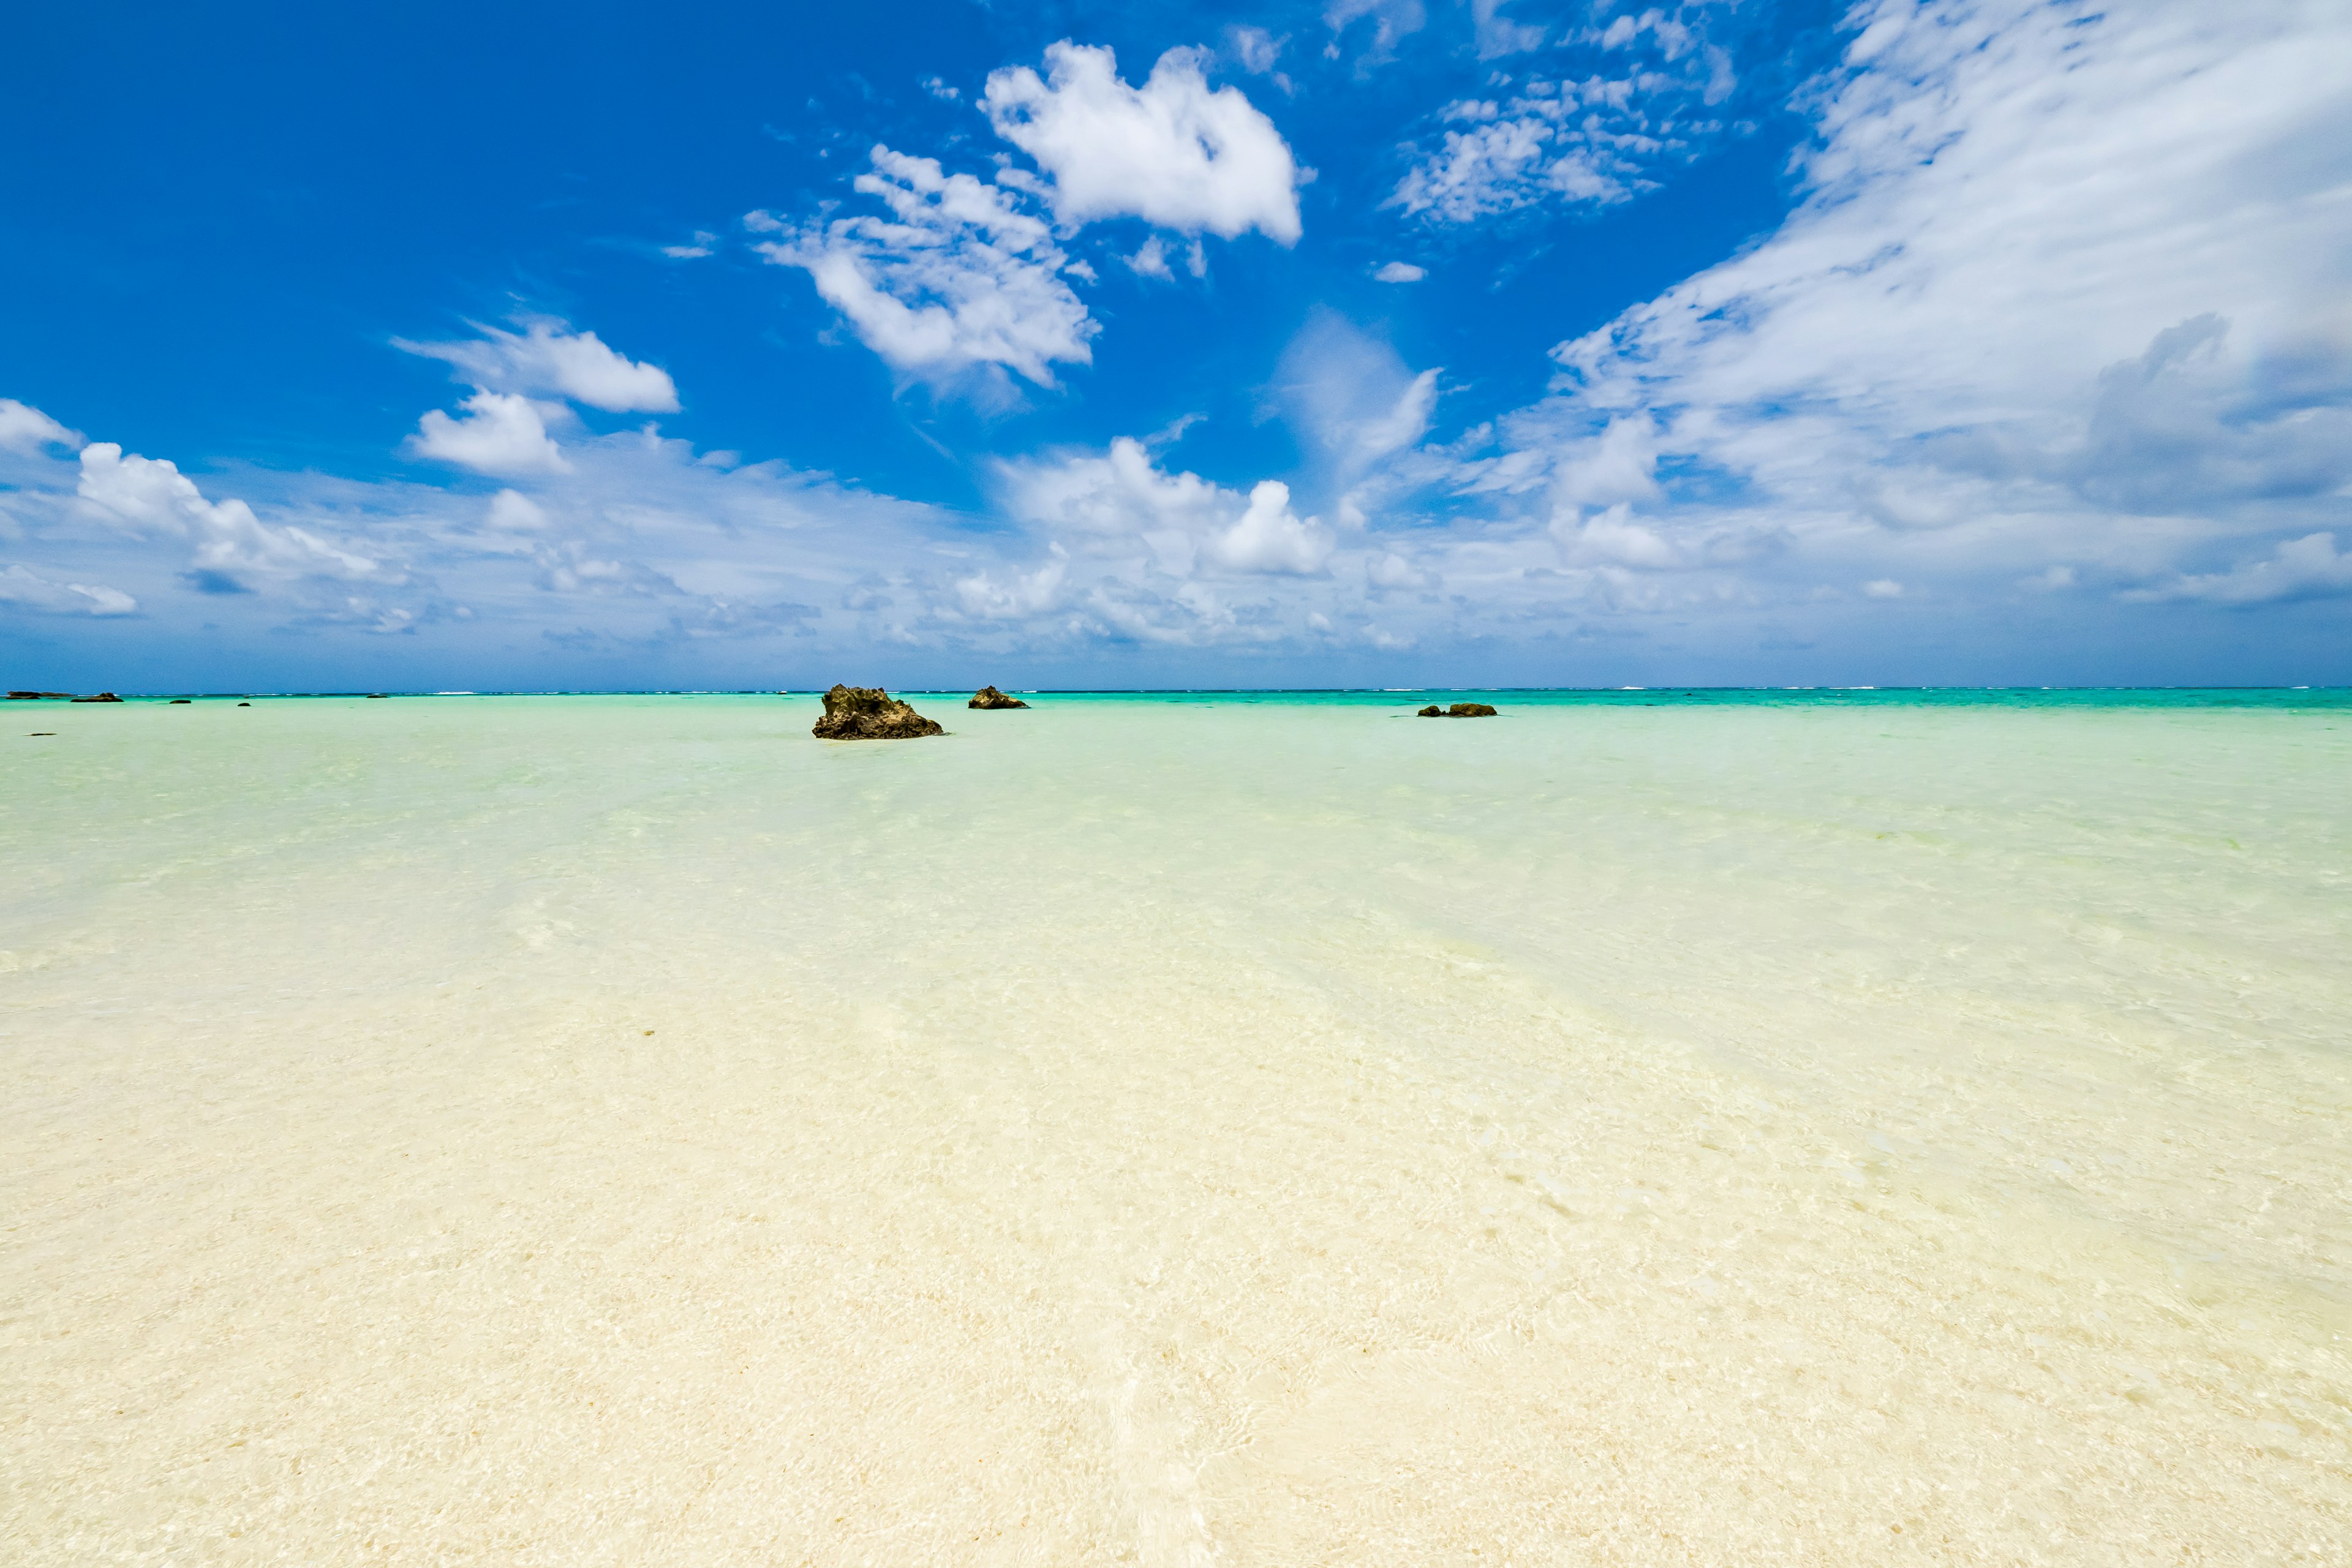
point(1644, 1127)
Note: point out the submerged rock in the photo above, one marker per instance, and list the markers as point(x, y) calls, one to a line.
point(870, 713)
point(39, 696)
point(182, 702)
point(1459, 710)
point(101, 697)
point(988, 697)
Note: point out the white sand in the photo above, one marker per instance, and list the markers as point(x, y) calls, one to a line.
point(1130, 1132)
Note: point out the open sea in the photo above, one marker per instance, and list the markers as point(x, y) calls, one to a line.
point(1810, 1127)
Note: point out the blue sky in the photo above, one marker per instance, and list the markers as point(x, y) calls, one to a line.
point(1384, 342)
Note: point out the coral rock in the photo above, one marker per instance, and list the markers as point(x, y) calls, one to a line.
point(1459, 710)
point(870, 713)
point(988, 697)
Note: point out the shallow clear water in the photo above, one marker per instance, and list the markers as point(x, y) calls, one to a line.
point(1232, 1127)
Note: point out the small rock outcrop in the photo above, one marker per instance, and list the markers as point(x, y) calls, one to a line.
point(101, 697)
point(39, 696)
point(1459, 710)
point(870, 713)
point(988, 697)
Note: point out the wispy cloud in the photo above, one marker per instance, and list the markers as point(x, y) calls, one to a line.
point(959, 277)
point(1642, 93)
point(547, 359)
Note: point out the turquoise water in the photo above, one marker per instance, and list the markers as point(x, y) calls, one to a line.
point(1250, 1127)
point(2270, 698)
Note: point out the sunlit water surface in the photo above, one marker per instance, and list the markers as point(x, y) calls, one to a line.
point(1834, 1128)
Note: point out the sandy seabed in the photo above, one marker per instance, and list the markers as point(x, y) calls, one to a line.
point(625, 1130)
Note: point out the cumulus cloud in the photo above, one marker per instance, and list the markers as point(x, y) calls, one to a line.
point(500, 433)
point(1614, 537)
point(1270, 537)
point(1120, 492)
point(1015, 595)
point(959, 277)
point(231, 545)
point(1172, 151)
point(24, 589)
point(27, 429)
point(1186, 521)
point(1400, 272)
point(640, 545)
point(547, 359)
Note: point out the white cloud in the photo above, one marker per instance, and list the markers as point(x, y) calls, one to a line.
point(1400, 272)
point(702, 245)
point(27, 429)
point(1498, 34)
point(1640, 95)
point(1585, 144)
point(501, 432)
point(1883, 588)
point(512, 511)
point(1255, 48)
point(2051, 276)
point(1120, 492)
point(1150, 259)
point(1270, 537)
point(547, 359)
point(962, 279)
point(1392, 22)
point(2307, 568)
point(1619, 465)
point(1122, 499)
point(231, 544)
point(1018, 596)
point(938, 88)
point(1351, 395)
point(1172, 151)
point(1614, 537)
point(27, 590)
point(1404, 422)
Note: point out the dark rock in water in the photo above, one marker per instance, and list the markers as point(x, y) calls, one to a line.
point(988, 697)
point(375, 696)
point(182, 702)
point(101, 697)
point(1433, 711)
point(870, 713)
point(245, 704)
point(1459, 710)
point(39, 696)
